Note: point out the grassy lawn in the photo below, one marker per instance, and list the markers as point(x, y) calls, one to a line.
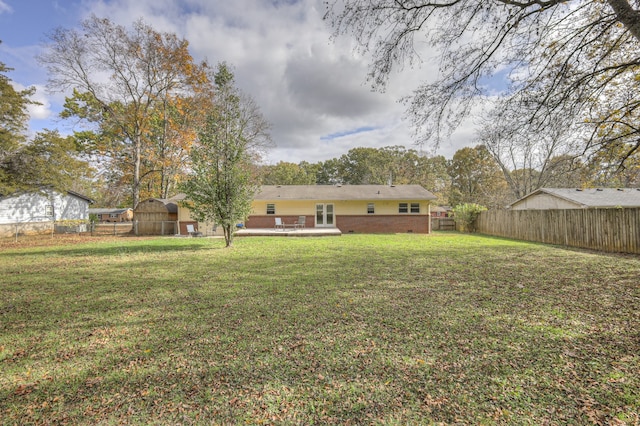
point(358, 329)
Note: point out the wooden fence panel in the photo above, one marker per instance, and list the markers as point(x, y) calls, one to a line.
point(114, 228)
point(443, 224)
point(610, 230)
point(157, 227)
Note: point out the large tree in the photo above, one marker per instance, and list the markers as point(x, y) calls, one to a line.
point(603, 170)
point(476, 178)
point(13, 124)
point(362, 166)
point(530, 158)
point(569, 60)
point(47, 160)
point(222, 182)
point(122, 82)
point(285, 173)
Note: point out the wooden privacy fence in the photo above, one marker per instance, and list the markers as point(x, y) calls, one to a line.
point(443, 224)
point(114, 228)
point(610, 230)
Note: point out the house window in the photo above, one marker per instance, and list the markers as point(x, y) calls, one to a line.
point(271, 209)
point(403, 208)
point(371, 208)
point(48, 210)
point(113, 215)
point(415, 207)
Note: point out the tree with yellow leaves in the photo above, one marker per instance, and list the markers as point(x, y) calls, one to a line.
point(127, 87)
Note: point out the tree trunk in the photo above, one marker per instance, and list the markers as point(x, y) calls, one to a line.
point(136, 171)
point(627, 15)
point(228, 235)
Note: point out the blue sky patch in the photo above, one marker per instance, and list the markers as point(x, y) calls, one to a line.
point(338, 135)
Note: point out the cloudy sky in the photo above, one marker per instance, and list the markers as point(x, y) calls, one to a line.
point(311, 88)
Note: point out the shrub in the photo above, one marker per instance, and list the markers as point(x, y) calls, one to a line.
point(466, 214)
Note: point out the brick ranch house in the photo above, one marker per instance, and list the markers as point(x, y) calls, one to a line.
point(113, 215)
point(350, 208)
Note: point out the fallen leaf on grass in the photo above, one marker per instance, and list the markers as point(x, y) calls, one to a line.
point(25, 389)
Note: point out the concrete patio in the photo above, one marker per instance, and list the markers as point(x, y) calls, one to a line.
point(288, 232)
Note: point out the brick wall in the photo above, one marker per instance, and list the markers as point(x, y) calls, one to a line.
point(372, 224)
point(183, 227)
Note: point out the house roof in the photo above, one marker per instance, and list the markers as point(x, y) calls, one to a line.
point(84, 197)
point(440, 209)
point(343, 192)
point(46, 190)
point(592, 197)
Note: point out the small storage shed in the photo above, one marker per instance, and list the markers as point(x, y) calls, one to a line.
point(156, 216)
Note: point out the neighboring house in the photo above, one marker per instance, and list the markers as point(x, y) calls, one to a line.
point(578, 198)
point(113, 215)
point(441, 211)
point(350, 208)
point(34, 212)
point(156, 216)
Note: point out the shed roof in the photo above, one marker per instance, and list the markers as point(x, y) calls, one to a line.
point(592, 197)
point(343, 192)
point(109, 210)
point(169, 203)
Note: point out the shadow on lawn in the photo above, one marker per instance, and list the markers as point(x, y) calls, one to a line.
point(230, 373)
point(112, 249)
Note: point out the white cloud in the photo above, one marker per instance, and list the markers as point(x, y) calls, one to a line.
point(4, 7)
point(41, 110)
point(310, 88)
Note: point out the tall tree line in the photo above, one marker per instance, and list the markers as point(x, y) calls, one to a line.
point(473, 175)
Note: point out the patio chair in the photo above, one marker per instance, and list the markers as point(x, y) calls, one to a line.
point(301, 222)
point(192, 231)
point(279, 223)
